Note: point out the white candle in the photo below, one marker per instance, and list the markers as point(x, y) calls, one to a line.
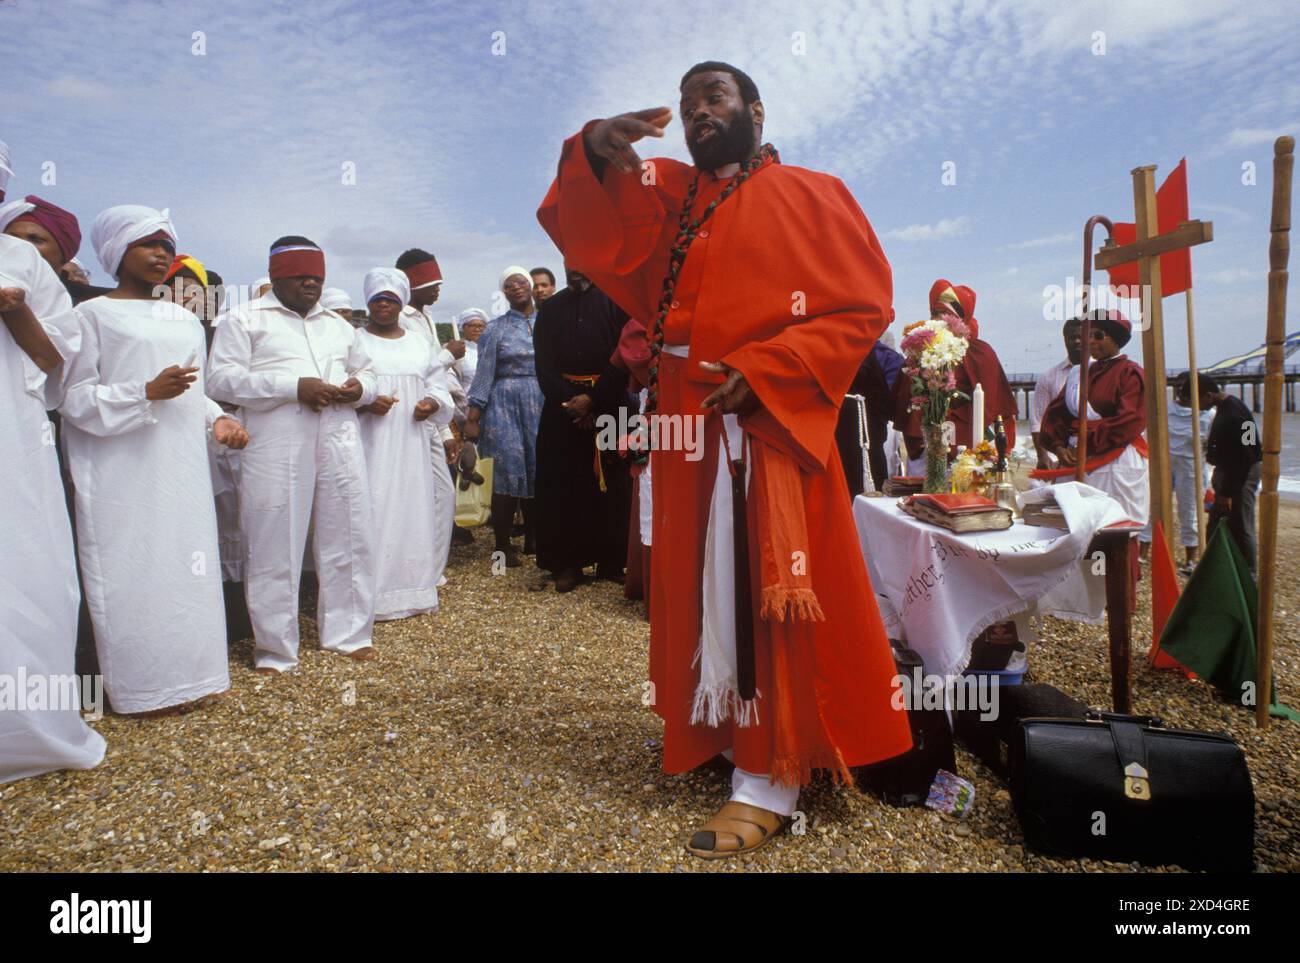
point(977, 415)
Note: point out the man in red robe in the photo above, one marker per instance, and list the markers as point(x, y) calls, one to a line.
point(763, 286)
point(955, 304)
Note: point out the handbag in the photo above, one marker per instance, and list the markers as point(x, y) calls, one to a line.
point(474, 504)
point(1126, 788)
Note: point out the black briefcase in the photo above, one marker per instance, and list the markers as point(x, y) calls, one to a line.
point(905, 780)
point(990, 739)
point(1125, 788)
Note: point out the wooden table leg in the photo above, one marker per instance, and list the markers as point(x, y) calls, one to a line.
point(1119, 591)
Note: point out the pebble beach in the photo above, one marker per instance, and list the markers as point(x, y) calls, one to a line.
point(507, 733)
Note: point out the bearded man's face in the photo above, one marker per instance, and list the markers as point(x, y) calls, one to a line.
point(720, 126)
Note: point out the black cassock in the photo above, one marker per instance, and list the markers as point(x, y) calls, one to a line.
point(577, 524)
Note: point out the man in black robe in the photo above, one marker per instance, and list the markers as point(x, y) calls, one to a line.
point(583, 495)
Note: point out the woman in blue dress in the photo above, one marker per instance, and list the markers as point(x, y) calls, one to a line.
point(505, 406)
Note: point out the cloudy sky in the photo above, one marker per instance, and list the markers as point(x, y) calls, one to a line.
point(242, 117)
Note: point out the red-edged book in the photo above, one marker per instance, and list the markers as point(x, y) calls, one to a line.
point(961, 512)
point(899, 485)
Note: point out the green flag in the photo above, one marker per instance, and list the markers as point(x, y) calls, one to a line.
point(1212, 628)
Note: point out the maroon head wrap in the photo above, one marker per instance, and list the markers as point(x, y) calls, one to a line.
point(61, 224)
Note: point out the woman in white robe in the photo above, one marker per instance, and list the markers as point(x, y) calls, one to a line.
point(395, 435)
point(136, 426)
point(38, 603)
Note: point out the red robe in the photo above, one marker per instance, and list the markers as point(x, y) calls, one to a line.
point(1116, 392)
point(787, 283)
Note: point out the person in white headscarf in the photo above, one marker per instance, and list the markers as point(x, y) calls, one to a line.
point(38, 607)
point(409, 552)
point(338, 301)
point(471, 324)
point(299, 372)
point(136, 425)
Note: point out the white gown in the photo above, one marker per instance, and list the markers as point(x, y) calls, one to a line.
point(408, 555)
point(449, 379)
point(300, 466)
point(38, 576)
point(145, 517)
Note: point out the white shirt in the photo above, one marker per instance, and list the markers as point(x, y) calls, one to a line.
point(261, 349)
point(413, 319)
point(1180, 430)
point(449, 375)
point(1046, 388)
point(22, 266)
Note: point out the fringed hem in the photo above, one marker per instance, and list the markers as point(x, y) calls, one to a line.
point(714, 705)
point(797, 770)
point(800, 603)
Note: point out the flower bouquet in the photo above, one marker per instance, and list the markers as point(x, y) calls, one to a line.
point(974, 468)
point(932, 350)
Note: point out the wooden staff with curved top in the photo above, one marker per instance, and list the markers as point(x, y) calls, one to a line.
point(1086, 334)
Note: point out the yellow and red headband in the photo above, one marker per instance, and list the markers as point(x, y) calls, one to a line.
point(183, 262)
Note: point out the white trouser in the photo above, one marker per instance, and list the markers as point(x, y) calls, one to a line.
point(1183, 470)
point(302, 466)
point(756, 789)
point(444, 511)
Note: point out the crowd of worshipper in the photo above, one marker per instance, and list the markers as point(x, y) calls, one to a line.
point(212, 450)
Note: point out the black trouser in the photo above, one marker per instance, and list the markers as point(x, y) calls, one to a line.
point(1241, 517)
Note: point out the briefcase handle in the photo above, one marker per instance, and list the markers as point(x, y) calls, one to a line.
point(1130, 748)
point(1096, 716)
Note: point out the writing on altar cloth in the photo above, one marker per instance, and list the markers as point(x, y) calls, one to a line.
point(923, 582)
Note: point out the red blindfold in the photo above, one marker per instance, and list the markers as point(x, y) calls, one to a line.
point(297, 262)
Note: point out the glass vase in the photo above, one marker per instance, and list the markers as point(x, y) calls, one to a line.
point(936, 460)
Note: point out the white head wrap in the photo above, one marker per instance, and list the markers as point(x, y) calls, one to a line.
point(333, 299)
point(386, 280)
point(511, 272)
point(6, 166)
point(13, 210)
point(471, 313)
point(118, 227)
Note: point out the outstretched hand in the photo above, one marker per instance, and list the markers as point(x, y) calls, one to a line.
point(612, 139)
point(734, 396)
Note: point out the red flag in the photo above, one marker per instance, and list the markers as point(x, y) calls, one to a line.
point(1164, 595)
point(1171, 210)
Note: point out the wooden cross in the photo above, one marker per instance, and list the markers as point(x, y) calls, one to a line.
point(1146, 250)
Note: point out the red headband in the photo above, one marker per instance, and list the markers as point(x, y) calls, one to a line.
point(426, 272)
point(296, 262)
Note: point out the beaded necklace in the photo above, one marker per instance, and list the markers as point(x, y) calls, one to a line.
point(686, 232)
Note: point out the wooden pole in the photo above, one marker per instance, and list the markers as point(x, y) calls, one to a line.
point(1198, 468)
point(1153, 356)
point(1279, 250)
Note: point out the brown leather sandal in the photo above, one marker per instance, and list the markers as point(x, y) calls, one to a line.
point(737, 828)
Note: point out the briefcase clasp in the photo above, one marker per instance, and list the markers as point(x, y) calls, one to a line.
point(1137, 784)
